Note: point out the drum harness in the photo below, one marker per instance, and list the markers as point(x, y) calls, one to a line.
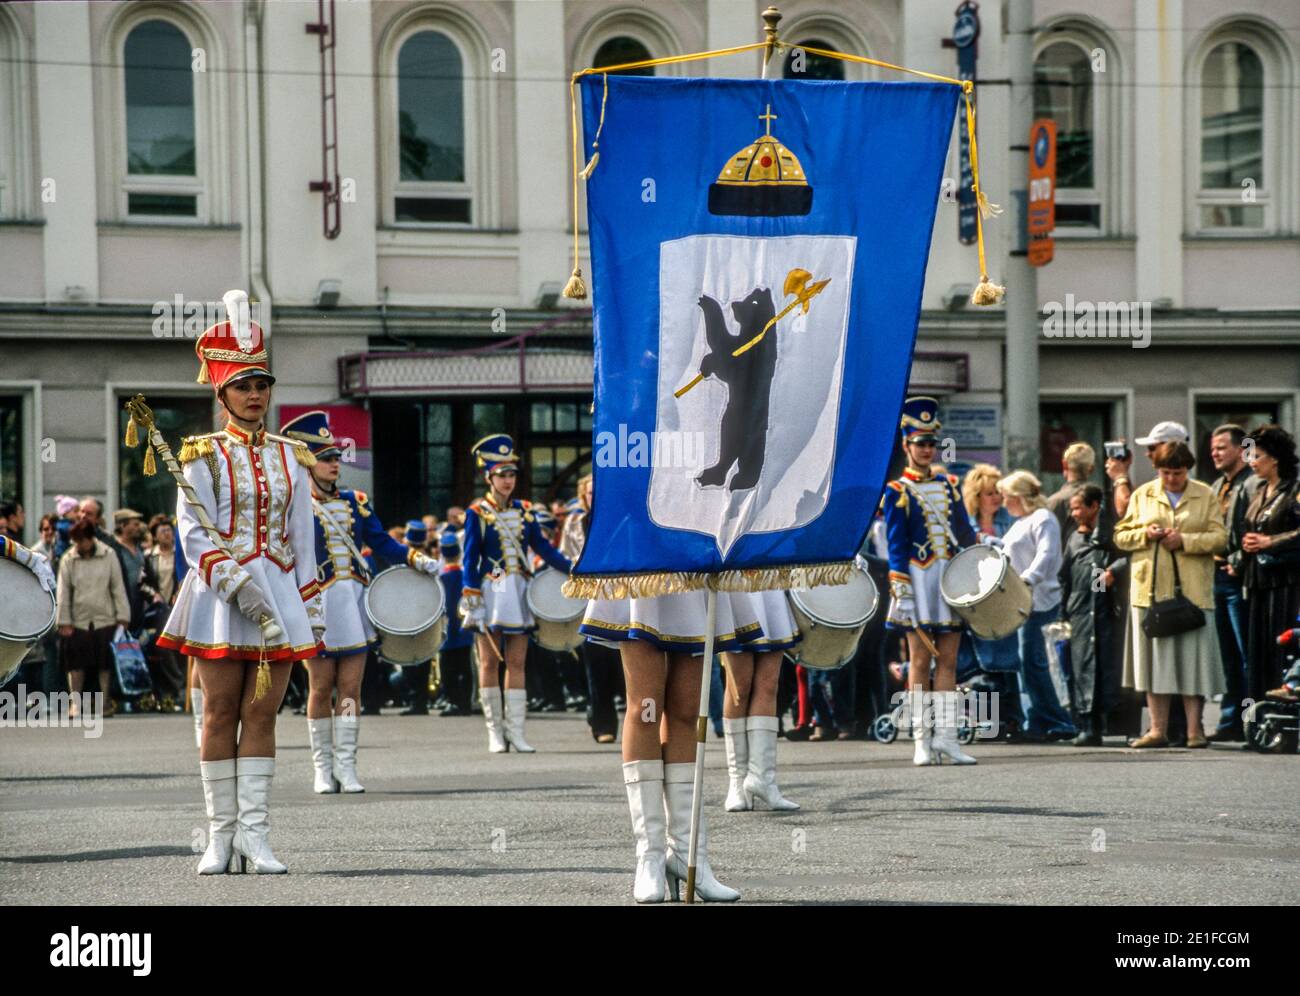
point(332, 524)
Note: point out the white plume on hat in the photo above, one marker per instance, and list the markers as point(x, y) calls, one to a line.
point(236, 302)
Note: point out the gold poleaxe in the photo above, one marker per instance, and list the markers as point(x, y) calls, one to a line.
point(796, 283)
point(142, 416)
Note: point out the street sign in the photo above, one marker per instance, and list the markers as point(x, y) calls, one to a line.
point(965, 34)
point(1042, 191)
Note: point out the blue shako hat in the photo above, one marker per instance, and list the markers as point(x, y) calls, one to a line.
point(449, 544)
point(416, 532)
point(312, 428)
point(496, 452)
point(920, 419)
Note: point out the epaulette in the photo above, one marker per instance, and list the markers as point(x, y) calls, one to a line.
point(300, 451)
point(952, 479)
point(193, 447)
point(363, 501)
point(902, 499)
point(479, 508)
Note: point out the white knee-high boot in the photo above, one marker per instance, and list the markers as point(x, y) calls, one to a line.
point(321, 732)
point(346, 731)
point(644, 781)
point(223, 807)
point(679, 783)
point(734, 732)
point(947, 719)
point(254, 775)
point(760, 783)
point(493, 716)
point(516, 701)
point(196, 707)
point(922, 715)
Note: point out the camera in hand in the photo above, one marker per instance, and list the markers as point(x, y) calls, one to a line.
point(1116, 450)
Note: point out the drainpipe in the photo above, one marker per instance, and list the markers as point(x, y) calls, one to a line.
point(254, 109)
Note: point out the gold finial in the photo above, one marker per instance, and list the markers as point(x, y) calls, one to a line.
point(771, 18)
point(769, 117)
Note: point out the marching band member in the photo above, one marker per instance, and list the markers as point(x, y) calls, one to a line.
point(344, 524)
point(661, 640)
point(922, 510)
point(256, 490)
point(11, 549)
point(499, 530)
point(749, 722)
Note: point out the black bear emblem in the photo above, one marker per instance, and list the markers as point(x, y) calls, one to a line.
point(749, 386)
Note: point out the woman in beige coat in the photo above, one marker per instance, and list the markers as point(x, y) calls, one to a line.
point(1172, 516)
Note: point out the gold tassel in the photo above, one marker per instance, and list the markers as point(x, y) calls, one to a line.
point(193, 448)
point(575, 288)
point(304, 456)
point(263, 680)
point(591, 165)
point(150, 467)
point(202, 378)
point(987, 208)
point(987, 292)
point(132, 437)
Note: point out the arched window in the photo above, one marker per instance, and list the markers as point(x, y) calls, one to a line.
point(1063, 92)
point(1232, 138)
point(161, 148)
point(620, 50)
point(432, 182)
point(801, 65)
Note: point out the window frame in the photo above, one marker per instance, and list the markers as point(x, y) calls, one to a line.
point(210, 185)
point(1257, 39)
point(479, 113)
point(16, 187)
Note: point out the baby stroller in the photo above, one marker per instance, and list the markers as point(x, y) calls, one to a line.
point(887, 724)
point(1272, 726)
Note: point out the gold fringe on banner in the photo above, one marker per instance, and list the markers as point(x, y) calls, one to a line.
point(620, 586)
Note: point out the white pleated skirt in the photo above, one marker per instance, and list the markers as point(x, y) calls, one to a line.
point(347, 627)
point(674, 623)
point(932, 612)
point(505, 601)
point(775, 618)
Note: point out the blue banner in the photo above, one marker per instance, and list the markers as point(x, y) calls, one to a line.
point(758, 256)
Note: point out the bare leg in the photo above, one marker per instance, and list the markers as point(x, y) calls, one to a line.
point(1159, 706)
point(223, 684)
point(321, 675)
point(739, 669)
point(490, 651)
point(76, 682)
point(257, 719)
point(945, 671)
point(918, 672)
point(681, 706)
point(767, 674)
point(645, 669)
point(1192, 706)
point(347, 679)
point(516, 648)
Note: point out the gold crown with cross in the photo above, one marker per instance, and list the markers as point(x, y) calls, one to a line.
point(763, 179)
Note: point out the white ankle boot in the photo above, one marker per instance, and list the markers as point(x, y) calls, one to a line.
point(644, 781)
point(733, 730)
point(922, 716)
point(490, 699)
point(254, 776)
point(196, 707)
point(223, 806)
point(346, 730)
point(321, 732)
point(947, 714)
point(760, 782)
point(679, 782)
point(516, 713)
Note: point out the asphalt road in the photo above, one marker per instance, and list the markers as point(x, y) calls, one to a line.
point(112, 820)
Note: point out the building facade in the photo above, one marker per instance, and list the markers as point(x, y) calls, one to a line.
point(390, 182)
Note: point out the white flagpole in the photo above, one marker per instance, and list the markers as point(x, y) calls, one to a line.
point(771, 17)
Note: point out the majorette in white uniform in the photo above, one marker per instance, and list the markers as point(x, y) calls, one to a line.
point(922, 516)
point(344, 525)
point(256, 491)
point(676, 622)
point(496, 566)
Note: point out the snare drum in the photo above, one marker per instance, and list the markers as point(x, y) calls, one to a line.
point(831, 618)
point(982, 588)
point(26, 615)
point(408, 609)
point(557, 616)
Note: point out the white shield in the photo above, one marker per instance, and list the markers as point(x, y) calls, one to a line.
point(802, 410)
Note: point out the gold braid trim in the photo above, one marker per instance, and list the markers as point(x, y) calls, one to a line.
point(300, 452)
point(194, 447)
point(675, 582)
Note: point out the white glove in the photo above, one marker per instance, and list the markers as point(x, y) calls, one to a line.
point(473, 611)
point(41, 568)
point(252, 603)
point(903, 610)
point(423, 563)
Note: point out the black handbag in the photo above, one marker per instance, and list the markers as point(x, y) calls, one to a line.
point(1174, 615)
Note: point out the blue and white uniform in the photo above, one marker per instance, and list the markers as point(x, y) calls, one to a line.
point(497, 541)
